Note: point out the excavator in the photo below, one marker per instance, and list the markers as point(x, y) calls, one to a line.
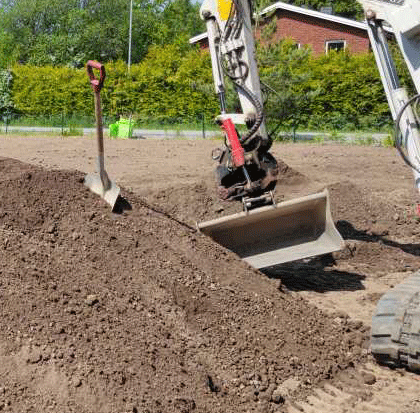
point(266, 234)
point(263, 234)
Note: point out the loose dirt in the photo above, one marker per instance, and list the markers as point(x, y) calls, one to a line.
point(136, 312)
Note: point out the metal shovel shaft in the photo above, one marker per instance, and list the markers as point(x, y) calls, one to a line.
point(100, 140)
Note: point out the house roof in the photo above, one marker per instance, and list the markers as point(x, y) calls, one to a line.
point(197, 38)
point(307, 12)
point(312, 13)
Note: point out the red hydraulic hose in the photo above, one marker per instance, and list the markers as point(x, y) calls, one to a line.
point(236, 147)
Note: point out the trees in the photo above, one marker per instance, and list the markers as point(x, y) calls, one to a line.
point(280, 71)
point(53, 32)
point(179, 21)
point(172, 81)
point(56, 32)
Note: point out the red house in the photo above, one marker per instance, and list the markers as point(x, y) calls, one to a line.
point(322, 31)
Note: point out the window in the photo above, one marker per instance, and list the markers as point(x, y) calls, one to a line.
point(336, 45)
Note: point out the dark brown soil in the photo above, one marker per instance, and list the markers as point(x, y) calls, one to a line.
point(137, 312)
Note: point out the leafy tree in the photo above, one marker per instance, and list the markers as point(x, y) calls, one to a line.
point(53, 32)
point(180, 20)
point(280, 71)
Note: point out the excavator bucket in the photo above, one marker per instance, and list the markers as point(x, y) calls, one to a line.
point(272, 235)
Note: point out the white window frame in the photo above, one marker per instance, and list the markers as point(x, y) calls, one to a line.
point(328, 42)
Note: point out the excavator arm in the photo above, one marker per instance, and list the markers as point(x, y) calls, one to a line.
point(246, 169)
point(402, 19)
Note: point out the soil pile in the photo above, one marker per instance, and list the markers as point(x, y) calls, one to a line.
point(139, 313)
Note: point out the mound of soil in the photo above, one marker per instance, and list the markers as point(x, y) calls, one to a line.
point(138, 313)
point(380, 236)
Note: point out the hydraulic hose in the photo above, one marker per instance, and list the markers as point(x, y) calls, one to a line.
point(398, 134)
point(260, 113)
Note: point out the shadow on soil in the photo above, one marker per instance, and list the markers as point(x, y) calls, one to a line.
point(121, 205)
point(315, 275)
point(347, 231)
point(318, 274)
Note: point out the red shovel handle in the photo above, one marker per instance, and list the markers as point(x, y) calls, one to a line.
point(96, 84)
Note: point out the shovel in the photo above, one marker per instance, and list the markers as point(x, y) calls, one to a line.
point(100, 184)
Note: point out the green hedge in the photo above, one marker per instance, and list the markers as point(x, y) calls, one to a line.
point(162, 86)
point(349, 93)
point(175, 85)
point(50, 90)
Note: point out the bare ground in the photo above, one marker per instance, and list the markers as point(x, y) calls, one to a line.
point(137, 312)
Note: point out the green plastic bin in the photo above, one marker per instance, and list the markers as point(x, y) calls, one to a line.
point(125, 129)
point(122, 129)
point(113, 130)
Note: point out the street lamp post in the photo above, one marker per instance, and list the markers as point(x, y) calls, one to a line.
point(129, 35)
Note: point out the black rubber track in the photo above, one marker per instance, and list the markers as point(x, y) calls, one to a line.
point(396, 326)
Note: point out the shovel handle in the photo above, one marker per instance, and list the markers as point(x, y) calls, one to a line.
point(97, 86)
point(96, 83)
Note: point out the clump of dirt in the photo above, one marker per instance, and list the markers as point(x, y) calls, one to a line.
point(289, 176)
point(137, 312)
point(192, 203)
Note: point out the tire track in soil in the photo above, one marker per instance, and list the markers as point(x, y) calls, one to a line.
point(388, 391)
